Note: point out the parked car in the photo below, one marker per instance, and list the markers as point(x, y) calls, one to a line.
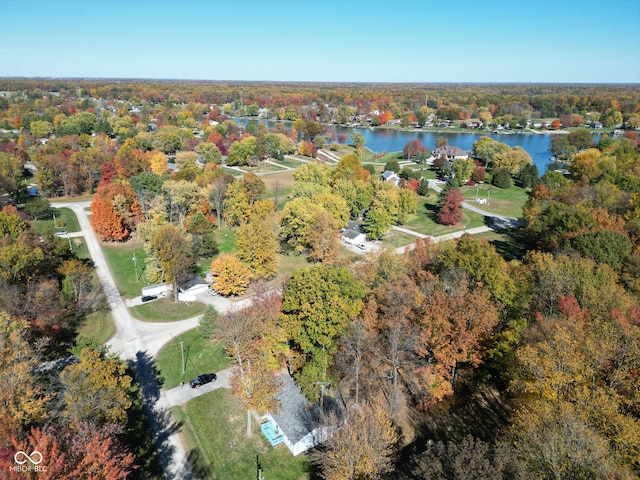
point(212, 291)
point(203, 380)
point(362, 247)
point(148, 298)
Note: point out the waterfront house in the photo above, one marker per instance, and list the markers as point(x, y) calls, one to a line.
point(390, 176)
point(450, 152)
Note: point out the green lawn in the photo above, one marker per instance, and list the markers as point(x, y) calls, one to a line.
point(233, 172)
point(120, 259)
point(226, 238)
point(264, 167)
point(98, 325)
point(201, 356)
point(395, 239)
point(80, 247)
point(214, 427)
point(166, 310)
point(289, 162)
point(506, 202)
point(65, 220)
point(424, 220)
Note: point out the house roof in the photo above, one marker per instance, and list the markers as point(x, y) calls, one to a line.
point(297, 417)
point(450, 151)
point(351, 233)
point(390, 175)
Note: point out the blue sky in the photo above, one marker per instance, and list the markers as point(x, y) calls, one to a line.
point(584, 41)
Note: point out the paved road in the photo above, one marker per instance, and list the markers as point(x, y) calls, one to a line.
point(138, 342)
point(182, 394)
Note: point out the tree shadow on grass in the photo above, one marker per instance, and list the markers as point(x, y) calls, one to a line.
point(162, 424)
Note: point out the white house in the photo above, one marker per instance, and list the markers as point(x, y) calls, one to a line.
point(390, 176)
point(352, 234)
point(298, 423)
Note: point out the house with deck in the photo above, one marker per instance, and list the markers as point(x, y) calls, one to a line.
point(298, 423)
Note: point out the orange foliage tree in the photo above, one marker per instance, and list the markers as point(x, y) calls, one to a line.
point(115, 211)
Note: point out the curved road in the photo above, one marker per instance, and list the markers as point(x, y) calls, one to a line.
point(139, 342)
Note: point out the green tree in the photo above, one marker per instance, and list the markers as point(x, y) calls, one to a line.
point(358, 141)
point(501, 178)
point(392, 165)
point(603, 246)
point(378, 220)
point(295, 222)
point(240, 153)
point(209, 152)
point(317, 305)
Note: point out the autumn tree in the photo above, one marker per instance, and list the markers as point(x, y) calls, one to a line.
point(232, 277)
point(115, 211)
point(257, 247)
point(413, 148)
point(253, 185)
point(450, 208)
point(236, 204)
point(317, 305)
point(323, 238)
point(96, 389)
point(252, 336)
point(363, 447)
point(172, 248)
point(453, 331)
point(22, 398)
point(358, 141)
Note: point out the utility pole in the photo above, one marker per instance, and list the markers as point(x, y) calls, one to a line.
point(182, 353)
point(135, 264)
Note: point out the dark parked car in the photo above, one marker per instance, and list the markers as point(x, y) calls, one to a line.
point(148, 298)
point(202, 380)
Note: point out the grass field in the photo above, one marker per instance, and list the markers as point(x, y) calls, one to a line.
point(120, 259)
point(201, 356)
point(395, 239)
point(507, 202)
point(424, 221)
point(166, 310)
point(214, 426)
point(65, 220)
point(98, 325)
point(226, 238)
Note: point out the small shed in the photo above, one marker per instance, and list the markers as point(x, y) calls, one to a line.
point(390, 176)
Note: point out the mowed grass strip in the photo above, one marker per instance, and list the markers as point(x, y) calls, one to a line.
point(120, 259)
point(214, 426)
point(65, 219)
point(201, 356)
point(166, 310)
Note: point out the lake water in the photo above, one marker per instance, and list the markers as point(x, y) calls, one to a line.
point(391, 140)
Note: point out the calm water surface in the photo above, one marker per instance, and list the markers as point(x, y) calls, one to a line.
point(389, 140)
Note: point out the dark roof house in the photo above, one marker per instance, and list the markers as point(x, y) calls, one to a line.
point(298, 423)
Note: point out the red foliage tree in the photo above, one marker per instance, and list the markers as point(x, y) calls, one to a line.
point(413, 147)
point(479, 174)
point(555, 125)
point(450, 211)
point(107, 173)
point(87, 451)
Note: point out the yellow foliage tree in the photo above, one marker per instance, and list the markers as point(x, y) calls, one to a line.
point(232, 277)
point(158, 162)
